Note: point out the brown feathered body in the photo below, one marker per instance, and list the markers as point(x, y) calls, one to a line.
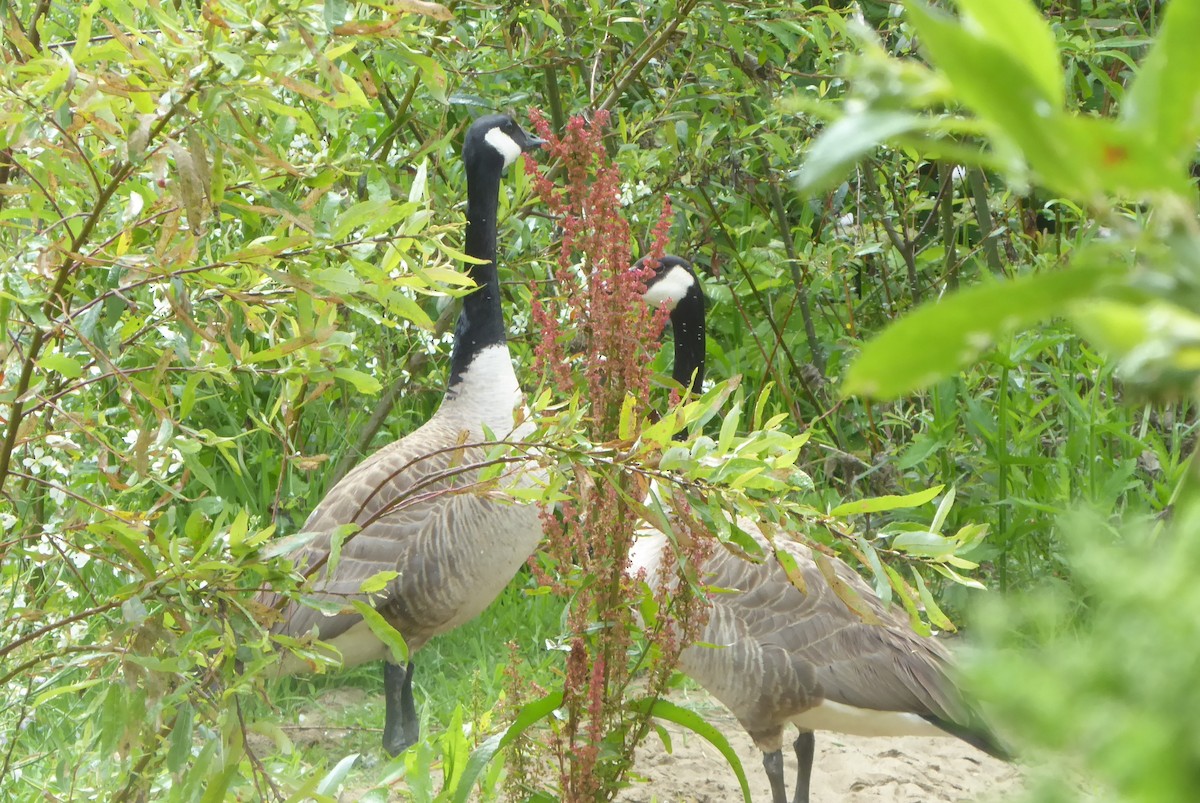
point(422, 513)
point(773, 654)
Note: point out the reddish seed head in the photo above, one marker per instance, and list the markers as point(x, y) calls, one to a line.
point(594, 330)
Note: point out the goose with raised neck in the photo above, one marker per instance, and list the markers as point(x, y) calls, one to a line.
point(411, 505)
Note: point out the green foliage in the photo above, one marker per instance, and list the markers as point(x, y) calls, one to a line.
point(228, 240)
point(1111, 685)
point(205, 272)
point(940, 338)
point(1097, 668)
point(986, 60)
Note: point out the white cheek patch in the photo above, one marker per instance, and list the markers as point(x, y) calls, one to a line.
point(670, 288)
point(505, 145)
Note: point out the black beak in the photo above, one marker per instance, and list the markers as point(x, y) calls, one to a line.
point(533, 143)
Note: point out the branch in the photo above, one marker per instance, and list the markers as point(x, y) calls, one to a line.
point(899, 243)
point(789, 245)
point(651, 50)
point(33, 34)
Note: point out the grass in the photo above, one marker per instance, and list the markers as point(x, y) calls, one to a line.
point(461, 677)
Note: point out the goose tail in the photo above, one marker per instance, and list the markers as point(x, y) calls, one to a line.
point(975, 734)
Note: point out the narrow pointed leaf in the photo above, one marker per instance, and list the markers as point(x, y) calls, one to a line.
point(944, 336)
point(663, 709)
point(848, 140)
point(877, 504)
point(1019, 28)
point(530, 714)
point(1164, 100)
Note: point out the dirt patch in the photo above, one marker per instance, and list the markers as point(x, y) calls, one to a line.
point(319, 725)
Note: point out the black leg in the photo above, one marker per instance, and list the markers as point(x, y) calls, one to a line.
point(805, 747)
point(773, 764)
point(401, 727)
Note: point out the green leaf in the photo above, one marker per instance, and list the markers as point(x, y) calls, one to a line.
point(892, 502)
point(1001, 89)
point(729, 427)
point(216, 784)
point(416, 193)
point(1019, 28)
point(662, 709)
point(1156, 343)
point(924, 544)
point(362, 382)
point(335, 13)
point(287, 544)
point(365, 214)
point(849, 139)
point(625, 421)
point(60, 363)
point(947, 572)
point(58, 691)
point(180, 749)
point(905, 593)
point(330, 783)
point(405, 307)
point(377, 582)
point(336, 539)
point(112, 718)
point(738, 537)
point(201, 471)
point(528, 715)
point(787, 561)
point(764, 396)
point(1119, 327)
point(383, 630)
point(339, 281)
point(931, 607)
point(943, 336)
point(433, 75)
point(238, 528)
point(1164, 100)
point(943, 510)
point(1121, 160)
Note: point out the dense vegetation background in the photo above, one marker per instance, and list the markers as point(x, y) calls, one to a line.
point(229, 231)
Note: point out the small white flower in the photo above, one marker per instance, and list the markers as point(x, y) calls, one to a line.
point(625, 198)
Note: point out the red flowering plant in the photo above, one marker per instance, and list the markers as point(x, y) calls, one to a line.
point(595, 340)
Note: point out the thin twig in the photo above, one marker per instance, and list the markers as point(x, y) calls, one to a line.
point(901, 244)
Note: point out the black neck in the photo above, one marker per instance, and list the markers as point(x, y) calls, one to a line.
point(481, 322)
point(687, 323)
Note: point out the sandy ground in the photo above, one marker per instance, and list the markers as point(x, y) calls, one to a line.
point(847, 769)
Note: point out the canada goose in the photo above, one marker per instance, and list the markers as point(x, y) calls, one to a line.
point(454, 547)
point(782, 655)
